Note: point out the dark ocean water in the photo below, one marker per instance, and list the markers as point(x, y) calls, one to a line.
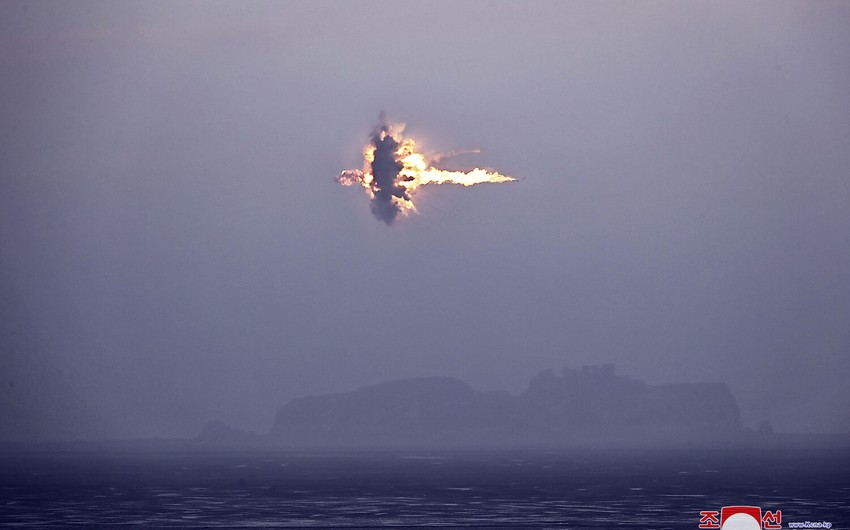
point(573, 489)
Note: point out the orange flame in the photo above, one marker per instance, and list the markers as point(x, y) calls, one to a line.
point(415, 169)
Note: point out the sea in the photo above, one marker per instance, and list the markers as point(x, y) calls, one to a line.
point(635, 489)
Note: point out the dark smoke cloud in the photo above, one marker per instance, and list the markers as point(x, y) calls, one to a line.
point(391, 177)
point(385, 169)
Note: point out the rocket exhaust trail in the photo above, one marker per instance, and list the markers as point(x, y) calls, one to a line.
point(393, 170)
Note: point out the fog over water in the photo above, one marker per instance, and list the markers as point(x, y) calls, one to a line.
point(174, 248)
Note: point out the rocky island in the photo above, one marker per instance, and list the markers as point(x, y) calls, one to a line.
point(588, 406)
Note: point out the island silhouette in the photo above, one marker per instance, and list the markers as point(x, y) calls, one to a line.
point(588, 406)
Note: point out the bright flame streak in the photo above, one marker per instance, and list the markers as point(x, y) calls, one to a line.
point(416, 170)
point(470, 178)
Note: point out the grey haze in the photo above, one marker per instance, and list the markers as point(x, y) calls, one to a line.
point(173, 248)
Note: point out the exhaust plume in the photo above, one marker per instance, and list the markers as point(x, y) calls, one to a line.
point(393, 170)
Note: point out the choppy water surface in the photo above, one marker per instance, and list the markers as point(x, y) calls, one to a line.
point(640, 489)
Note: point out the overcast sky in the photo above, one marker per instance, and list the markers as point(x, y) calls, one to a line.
point(174, 249)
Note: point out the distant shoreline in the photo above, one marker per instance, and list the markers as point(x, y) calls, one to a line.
point(747, 441)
